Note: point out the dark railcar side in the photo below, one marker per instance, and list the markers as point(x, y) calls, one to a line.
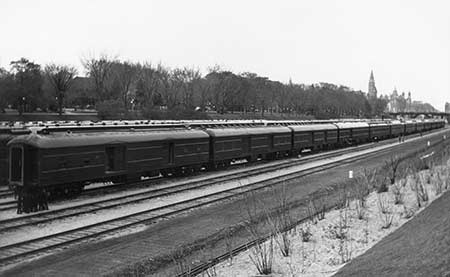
point(73, 158)
point(6, 134)
point(380, 131)
point(231, 144)
point(410, 128)
point(315, 136)
point(397, 129)
point(352, 132)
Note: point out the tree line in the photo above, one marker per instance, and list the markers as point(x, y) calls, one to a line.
point(118, 88)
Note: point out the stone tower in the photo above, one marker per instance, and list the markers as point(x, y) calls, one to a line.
point(409, 102)
point(372, 93)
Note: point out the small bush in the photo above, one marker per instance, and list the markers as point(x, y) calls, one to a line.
point(408, 212)
point(262, 256)
point(438, 183)
point(383, 185)
point(360, 209)
point(182, 265)
point(420, 190)
point(111, 109)
point(312, 213)
point(385, 211)
point(397, 191)
point(339, 231)
point(306, 233)
point(393, 166)
point(383, 204)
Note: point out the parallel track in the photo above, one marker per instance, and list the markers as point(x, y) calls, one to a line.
point(5, 192)
point(8, 205)
point(19, 251)
point(160, 190)
point(11, 205)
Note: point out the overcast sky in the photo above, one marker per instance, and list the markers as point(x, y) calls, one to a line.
point(405, 43)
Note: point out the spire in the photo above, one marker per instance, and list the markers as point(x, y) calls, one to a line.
point(372, 93)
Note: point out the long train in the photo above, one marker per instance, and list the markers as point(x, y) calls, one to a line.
point(63, 159)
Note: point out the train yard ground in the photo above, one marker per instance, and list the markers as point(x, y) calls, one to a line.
point(149, 250)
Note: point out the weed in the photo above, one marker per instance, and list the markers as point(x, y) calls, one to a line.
point(385, 211)
point(229, 245)
point(420, 190)
point(182, 265)
point(408, 212)
point(306, 233)
point(397, 191)
point(262, 256)
point(392, 164)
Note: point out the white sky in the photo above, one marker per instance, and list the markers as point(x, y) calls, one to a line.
point(406, 43)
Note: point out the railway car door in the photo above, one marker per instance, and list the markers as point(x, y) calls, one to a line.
point(115, 158)
point(171, 153)
point(16, 164)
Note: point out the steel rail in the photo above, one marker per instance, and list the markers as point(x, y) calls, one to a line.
point(20, 250)
point(162, 190)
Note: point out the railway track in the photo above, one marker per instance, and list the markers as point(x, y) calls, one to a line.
point(11, 205)
point(161, 190)
point(8, 205)
point(19, 251)
point(5, 192)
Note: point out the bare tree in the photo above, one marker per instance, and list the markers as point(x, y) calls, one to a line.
point(61, 78)
point(124, 75)
point(99, 69)
point(147, 86)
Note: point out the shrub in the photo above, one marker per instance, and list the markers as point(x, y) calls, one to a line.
point(306, 233)
point(408, 212)
point(383, 185)
point(385, 211)
point(438, 183)
point(360, 209)
point(420, 190)
point(397, 191)
point(111, 109)
point(262, 256)
point(393, 165)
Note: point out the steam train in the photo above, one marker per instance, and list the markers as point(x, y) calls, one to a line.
point(64, 159)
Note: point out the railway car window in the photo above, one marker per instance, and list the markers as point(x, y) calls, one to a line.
point(115, 158)
point(16, 164)
point(171, 153)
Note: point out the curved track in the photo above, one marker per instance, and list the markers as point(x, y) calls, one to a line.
point(18, 251)
point(163, 189)
point(11, 204)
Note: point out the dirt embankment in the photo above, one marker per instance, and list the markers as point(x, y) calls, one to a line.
point(420, 248)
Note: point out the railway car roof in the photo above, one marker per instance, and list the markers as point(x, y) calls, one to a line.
point(344, 125)
point(313, 127)
point(379, 124)
point(60, 140)
point(228, 132)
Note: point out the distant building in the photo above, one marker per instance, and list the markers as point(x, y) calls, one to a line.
point(372, 92)
point(400, 103)
point(447, 107)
